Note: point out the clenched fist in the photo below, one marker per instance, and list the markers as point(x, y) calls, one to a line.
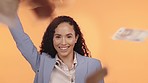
point(8, 10)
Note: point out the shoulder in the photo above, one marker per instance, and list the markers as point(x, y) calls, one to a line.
point(45, 55)
point(91, 62)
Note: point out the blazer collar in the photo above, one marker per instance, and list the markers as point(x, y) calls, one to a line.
point(48, 67)
point(80, 68)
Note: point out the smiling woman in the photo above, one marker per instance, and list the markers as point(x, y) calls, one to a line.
point(64, 56)
point(64, 40)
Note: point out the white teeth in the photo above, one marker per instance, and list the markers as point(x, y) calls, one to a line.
point(63, 48)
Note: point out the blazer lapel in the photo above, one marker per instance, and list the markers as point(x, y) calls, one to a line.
point(81, 69)
point(48, 67)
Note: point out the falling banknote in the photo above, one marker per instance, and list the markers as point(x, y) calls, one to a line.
point(130, 35)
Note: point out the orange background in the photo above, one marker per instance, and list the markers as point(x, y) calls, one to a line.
point(127, 62)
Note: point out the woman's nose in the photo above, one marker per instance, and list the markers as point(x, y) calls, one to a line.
point(63, 41)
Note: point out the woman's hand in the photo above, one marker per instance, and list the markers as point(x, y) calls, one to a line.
point(8, 11)
point(95, 77)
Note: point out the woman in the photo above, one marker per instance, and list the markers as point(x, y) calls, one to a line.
point(63, 58)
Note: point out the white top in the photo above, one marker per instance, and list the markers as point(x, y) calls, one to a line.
point(61, 73)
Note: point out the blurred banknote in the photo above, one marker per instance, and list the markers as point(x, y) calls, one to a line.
point(8, 10)
point(130, 34)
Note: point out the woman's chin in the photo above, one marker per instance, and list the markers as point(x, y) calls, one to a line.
point(63, 54)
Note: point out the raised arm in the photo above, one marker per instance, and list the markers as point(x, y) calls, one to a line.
point(24, 43)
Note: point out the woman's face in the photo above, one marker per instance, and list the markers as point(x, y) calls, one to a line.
point(64, 39)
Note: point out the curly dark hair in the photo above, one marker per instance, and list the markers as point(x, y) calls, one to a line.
point(47, 42)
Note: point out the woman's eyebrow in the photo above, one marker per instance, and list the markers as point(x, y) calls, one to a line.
point(57, 34)
point(69, 34)
point(60, 34)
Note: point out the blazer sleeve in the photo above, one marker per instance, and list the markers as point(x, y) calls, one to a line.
point(95, 65)
point(99, 66)
point(24, 44)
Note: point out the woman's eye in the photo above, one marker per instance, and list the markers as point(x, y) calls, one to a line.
point(69, 36)
point(57, 37)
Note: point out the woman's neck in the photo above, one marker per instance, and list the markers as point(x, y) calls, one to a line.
point(68, 60)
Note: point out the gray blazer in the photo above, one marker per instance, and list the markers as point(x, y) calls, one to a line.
point(42, 64)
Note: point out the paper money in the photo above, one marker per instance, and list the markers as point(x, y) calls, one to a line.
point(130, 35)
point(8, 10)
